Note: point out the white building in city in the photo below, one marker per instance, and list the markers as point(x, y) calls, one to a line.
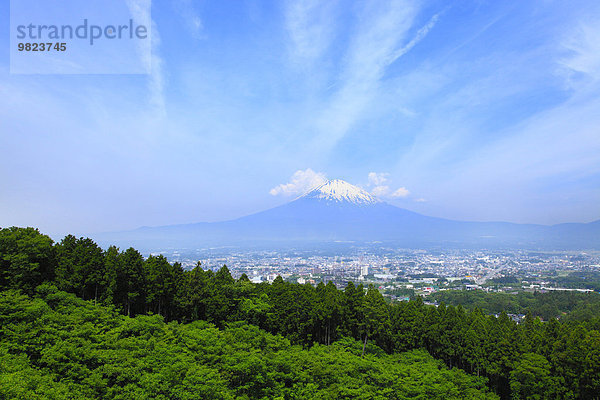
point(364, 270)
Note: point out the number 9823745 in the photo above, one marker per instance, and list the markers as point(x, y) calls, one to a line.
point(42, 46)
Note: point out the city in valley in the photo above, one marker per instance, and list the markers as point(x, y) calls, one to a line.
point(402, 273)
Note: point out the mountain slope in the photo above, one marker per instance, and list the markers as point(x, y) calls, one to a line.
point(339, 211)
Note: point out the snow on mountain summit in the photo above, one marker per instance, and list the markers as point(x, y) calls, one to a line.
point(339, 191)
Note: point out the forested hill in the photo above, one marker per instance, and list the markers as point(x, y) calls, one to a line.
point(146, 328)
point(564, 304)
point(58, 346)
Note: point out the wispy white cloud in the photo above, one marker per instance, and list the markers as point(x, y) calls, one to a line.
point(378, 178)
point(478, 131)
point(554, 149)
point(401, 192)
point(310, 24)
point(300, 182)
point(415, 40)
point(191, 18)
point(141, 12)
point(547, 147)
point(156, 84)
point(379, 188)
point(583, 46)
point(377, 44)
point(380, 191)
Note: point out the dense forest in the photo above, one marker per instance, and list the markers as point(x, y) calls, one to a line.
point(135, 327)
point(59, 346)
point(573, 306)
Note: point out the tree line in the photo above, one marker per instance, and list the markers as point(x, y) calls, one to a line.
point(566, 305)
point(57, 346)
point(529, 360)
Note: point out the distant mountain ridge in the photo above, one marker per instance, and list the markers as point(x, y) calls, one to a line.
point(339, 211)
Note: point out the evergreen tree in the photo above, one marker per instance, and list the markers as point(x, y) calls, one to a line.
point(130, 282)
point(27, 258)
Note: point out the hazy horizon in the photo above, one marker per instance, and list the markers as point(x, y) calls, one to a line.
point(304, 193)
point(474, 112)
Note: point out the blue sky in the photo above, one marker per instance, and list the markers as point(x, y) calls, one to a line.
point(471, 110)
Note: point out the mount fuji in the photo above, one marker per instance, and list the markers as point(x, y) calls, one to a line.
point(340, 212)
point(338, 192)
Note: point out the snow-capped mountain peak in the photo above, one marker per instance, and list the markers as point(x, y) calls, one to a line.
point(340, 191)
